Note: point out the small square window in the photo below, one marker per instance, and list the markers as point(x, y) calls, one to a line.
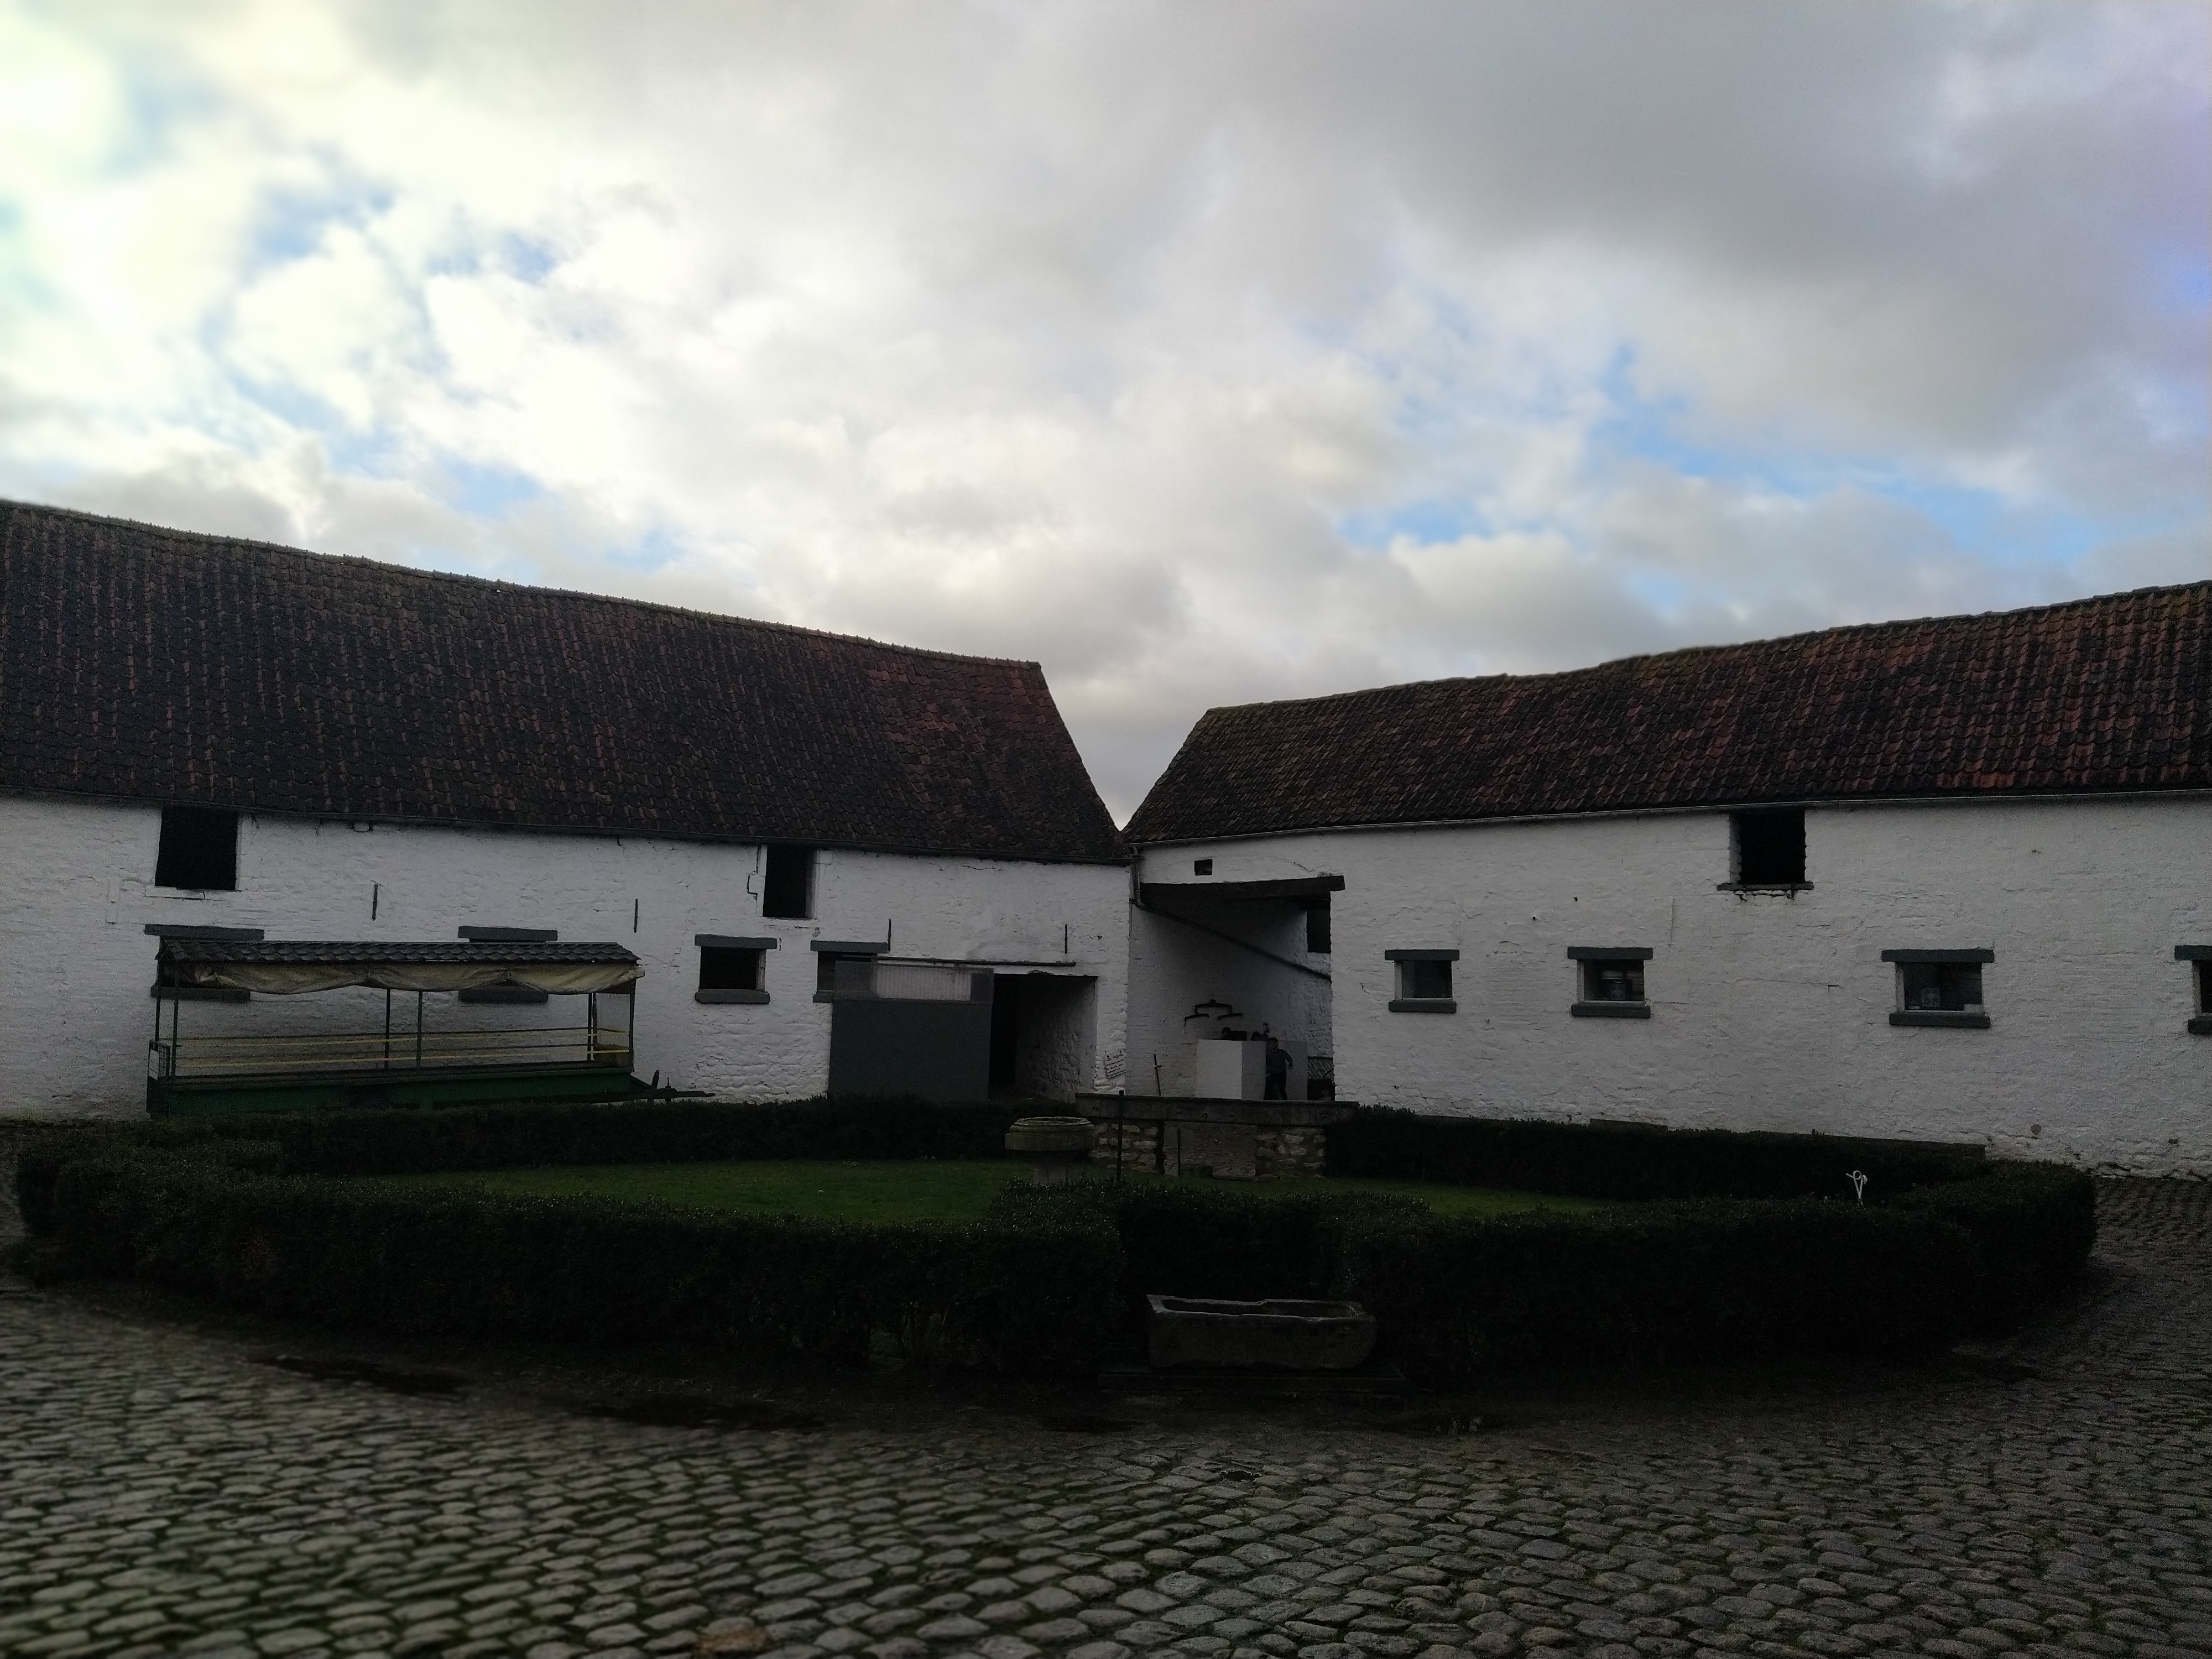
point(198, 849)
point(723, 969)
point(788, 889)
point(1949, 987)
point(1201, 867)
point(1940, 988)
point(1620, 979)
point(1609, 981)
point(1424, 980)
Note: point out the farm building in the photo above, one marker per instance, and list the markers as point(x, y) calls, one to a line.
point(1946, 879)
point(322, 829)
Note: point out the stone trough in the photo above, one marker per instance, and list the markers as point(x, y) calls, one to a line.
point(1277, 1334)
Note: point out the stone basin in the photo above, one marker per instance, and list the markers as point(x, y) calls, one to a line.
point(1280, 1334)
point(1052, 1144)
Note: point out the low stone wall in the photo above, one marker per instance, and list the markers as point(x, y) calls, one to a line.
point(1290, 1153)
point(1127, 1146)
point(1232, 1139)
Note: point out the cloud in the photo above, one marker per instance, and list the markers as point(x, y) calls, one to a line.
point(1206, 354)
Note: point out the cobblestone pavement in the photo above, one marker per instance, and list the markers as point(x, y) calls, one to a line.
point(161, 1493)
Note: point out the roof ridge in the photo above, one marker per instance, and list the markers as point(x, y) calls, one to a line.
point(727, 618)
point(1831, 631)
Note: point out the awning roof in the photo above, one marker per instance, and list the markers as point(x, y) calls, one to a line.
point(285, 967)
point(472, 952)
point(1282, 887)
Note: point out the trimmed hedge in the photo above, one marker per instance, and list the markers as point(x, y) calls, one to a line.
point(2033, 1224)
point(411, 1140)
point(1737, 1261)
point(1020, 1293)
point(1465, 1297)
point(1632, 1160)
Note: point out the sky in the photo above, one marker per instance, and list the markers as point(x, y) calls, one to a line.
point(1205, 352)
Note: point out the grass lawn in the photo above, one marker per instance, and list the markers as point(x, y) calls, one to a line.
point(903, 1191)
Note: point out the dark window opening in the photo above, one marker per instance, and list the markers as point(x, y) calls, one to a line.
point(1949, 987)
point(1619, 980)
point(199, 848)
point(1770, 846)
point(2204, 987)
point(722, 968)
point(1317, 926)
point(788, 890)
point(1424, 980)
point(1201, 867)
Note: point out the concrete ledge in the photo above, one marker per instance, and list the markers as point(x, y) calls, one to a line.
point(1424, 1006)
point(2201, 1025)
point(1185, 1109)
point(1610, 1009)
point(729, 996)
point(1955, 1019)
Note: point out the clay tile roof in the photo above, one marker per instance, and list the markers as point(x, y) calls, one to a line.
point(2102, 693)
point(158, 665)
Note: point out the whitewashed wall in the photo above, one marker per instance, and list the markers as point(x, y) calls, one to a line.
point(76, 891)
point(1772, 1013)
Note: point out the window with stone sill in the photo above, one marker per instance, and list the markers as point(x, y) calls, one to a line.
point(722, 968)
point(1423, 980)
point(1611, 981)
point(1940, 988)
point(2199, 958)
point(732, 969)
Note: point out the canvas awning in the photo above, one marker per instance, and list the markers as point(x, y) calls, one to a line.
point(289, 967)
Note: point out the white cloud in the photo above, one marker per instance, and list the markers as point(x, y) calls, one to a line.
point(1206, 354)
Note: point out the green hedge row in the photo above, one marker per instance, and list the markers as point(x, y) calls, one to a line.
point(1459, 1298)
point(1023, 1293)
point(409, 1140)
point(1633, 1161)
point(236, 1208)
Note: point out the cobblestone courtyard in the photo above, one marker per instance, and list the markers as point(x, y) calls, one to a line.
point(161, 1492)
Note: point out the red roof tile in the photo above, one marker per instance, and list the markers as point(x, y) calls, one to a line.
point(160, 665)
point(2102, 693)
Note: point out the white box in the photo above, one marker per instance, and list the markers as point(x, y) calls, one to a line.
point(1229, 1068)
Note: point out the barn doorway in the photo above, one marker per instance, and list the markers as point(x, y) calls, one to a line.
point(1043, 1036)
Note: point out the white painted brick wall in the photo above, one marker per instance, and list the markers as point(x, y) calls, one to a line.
point(1772, 1013)
point(75, 893)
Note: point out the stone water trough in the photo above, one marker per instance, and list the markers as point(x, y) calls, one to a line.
point(1277, 1334)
